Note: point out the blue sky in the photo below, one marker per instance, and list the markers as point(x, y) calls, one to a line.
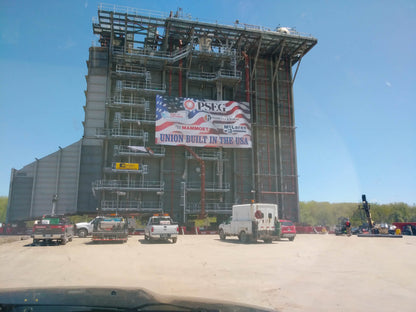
point(355, 99)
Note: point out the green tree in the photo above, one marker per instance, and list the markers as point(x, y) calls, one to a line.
point(3, 208)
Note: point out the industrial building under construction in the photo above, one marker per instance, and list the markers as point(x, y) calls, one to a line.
point(181, 116)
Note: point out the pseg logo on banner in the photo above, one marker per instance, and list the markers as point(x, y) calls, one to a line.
point(204, 106)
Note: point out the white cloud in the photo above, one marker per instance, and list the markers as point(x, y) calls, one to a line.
point(388, 84)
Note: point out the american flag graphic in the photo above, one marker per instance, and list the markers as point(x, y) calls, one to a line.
point(202, 122)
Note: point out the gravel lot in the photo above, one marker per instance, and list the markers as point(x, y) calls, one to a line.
point(315, 272)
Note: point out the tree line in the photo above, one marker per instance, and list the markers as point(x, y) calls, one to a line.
point(327, 214)
point(3, 208)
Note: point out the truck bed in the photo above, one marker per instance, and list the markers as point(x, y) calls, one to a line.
point(111, 229)
point(161, 228)
point(50, 229)
point(121, 236)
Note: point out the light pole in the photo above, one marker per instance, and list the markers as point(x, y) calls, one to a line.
point(119, 193)
point(54, 201)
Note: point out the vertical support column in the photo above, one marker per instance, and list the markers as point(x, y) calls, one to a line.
point(170, 81)
point(275, 129)
point(35, 181)
point(294, 156)
point(219, 90)
point(180, 78)
point(185, 183)
point(256, 151)
point(172, 181)
point(279, 154)
point(57, 179)
point(183, 189)
point(161, 166)
point(247, 76)
point(220, 160)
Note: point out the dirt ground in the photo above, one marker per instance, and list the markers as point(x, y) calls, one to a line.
point(314, 273)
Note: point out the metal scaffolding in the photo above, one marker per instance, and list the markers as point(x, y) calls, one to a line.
point(153, 53)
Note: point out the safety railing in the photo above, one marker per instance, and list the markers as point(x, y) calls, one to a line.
point(116, 133)
point(124, 100)
point(130, 205)
point(162, 15)
point(137, 117)
point(221, 74)
point(216, 52)
point(207, 154)
point(230, 74)
point(204, 76)
point(209, 186)
point(170, 57)
point(156, 151)
point(140, 86)
point(130, 70)
point(128, 185)
point(225, 208)
point(131, 11)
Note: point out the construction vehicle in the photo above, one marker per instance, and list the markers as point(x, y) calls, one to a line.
point(366, 208)
point(374, 230)
point(110, 229)
point(341, 227)
point(83, 229)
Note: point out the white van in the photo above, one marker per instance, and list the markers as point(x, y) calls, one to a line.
point(252, 222)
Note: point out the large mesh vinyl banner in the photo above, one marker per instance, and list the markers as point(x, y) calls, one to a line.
point(196, 122)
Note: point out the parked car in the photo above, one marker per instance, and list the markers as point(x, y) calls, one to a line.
point(288, 229)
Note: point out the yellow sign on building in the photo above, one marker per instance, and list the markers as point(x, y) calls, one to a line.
point(127, 166)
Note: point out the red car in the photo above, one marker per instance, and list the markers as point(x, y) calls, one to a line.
point(288, 229)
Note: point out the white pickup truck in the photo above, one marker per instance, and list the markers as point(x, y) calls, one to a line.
point(161, 228)
point(83, 229)
point(252, 222)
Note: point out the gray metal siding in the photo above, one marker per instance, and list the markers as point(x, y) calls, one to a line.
point(90, 170)
point(58, 174)
point(96, 94)
point(35, 185)
point(20, 200)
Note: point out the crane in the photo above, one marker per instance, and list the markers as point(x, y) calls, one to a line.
point(366, 208)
